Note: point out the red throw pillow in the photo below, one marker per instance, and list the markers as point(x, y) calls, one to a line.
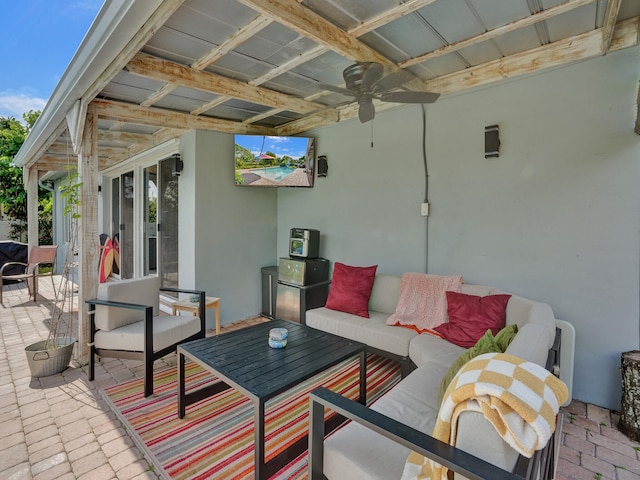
point(351, 289)
point(471, 316)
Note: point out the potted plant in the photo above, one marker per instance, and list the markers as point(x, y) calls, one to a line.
point(51, 356)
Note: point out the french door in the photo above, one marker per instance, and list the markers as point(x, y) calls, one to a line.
point(145, 225)
point(168, 224)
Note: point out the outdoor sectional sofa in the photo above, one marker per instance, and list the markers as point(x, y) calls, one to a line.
point(357, 451)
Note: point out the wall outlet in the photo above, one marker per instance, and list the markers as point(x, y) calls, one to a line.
point(424, 209)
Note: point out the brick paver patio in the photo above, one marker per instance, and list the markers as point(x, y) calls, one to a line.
point(58, 427)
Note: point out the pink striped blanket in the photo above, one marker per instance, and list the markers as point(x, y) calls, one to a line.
point(423, 300)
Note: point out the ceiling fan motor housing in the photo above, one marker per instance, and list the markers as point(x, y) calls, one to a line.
point(362, 76)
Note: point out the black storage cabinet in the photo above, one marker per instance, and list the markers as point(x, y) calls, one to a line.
point(269, 286)
point(294, 300)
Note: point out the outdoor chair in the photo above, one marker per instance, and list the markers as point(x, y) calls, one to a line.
point(125, 322)
point(38, 255)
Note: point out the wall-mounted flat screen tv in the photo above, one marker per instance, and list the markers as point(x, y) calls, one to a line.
point(274, 161)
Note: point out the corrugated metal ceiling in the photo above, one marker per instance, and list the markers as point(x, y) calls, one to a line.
point(279, 55)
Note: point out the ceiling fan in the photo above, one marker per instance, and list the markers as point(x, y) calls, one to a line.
point(365, 81)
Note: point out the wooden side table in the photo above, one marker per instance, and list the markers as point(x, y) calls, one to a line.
point(189, 306)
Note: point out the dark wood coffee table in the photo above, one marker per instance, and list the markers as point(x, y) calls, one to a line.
point(243, 360)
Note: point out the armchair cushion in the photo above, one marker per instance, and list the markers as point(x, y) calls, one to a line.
point(142, 291)
point(167, 330)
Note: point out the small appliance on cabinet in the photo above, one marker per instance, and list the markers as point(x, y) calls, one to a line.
point(304, 243)
point(303, 284)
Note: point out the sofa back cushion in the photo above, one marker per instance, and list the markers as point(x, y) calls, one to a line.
point(142, 291)
point(385, 294)
point(521, 311)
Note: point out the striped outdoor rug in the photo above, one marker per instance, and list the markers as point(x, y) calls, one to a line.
point(215, 439)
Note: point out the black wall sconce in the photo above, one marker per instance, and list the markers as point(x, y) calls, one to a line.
point(178, 165)
point(323, 167)
point(492, 141)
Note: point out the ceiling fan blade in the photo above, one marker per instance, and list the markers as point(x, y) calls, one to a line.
point(333, 88)
point(409, 97)
point(366, 112)
point(394, 80)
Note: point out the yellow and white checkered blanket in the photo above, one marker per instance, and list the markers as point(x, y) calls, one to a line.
point(521, 400)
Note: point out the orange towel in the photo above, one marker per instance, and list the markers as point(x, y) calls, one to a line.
point(423, 301)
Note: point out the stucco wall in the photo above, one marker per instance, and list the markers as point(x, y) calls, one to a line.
point(227, 233)
point(555, 218)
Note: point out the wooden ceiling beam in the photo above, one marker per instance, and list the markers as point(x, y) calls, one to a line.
point(59, 148)
point(130, 113)
point(212, 104)
point(365, 27)
point(626, 34)
point(306, 22)
point(309, 122)
point(389, 16)
point(562, 52)
point(239, 37)
point(62, 127)
point(156, 68)
point(58, 163)
point(609, 25)
point(235, 40)
point(125, 137)
point(159, 137)
point(159, 95)
point(496, 32)
point(137, 43)
point(256, 25)
point(268, 113)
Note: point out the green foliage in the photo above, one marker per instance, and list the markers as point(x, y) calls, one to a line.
point(153, 210)
point(70, 192)
point(12, 135)
point(245, 159)
point(12, 192)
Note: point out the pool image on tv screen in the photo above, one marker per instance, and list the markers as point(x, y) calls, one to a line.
point(274, 161)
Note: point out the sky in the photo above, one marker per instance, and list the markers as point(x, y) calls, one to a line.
point(39, 39)
point(295, 147)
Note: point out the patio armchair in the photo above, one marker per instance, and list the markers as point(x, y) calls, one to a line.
point(125, 322)
point(38, 255)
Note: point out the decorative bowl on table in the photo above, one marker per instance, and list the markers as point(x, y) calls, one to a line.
point(194, 298)
point(278, 337)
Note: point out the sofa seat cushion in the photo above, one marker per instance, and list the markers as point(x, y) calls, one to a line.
point(373, 331)
point(167, 331)
point(429, 349)
point(355, 452)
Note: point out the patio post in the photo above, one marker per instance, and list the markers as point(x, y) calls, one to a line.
point(88, 242)
point(30, 175)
